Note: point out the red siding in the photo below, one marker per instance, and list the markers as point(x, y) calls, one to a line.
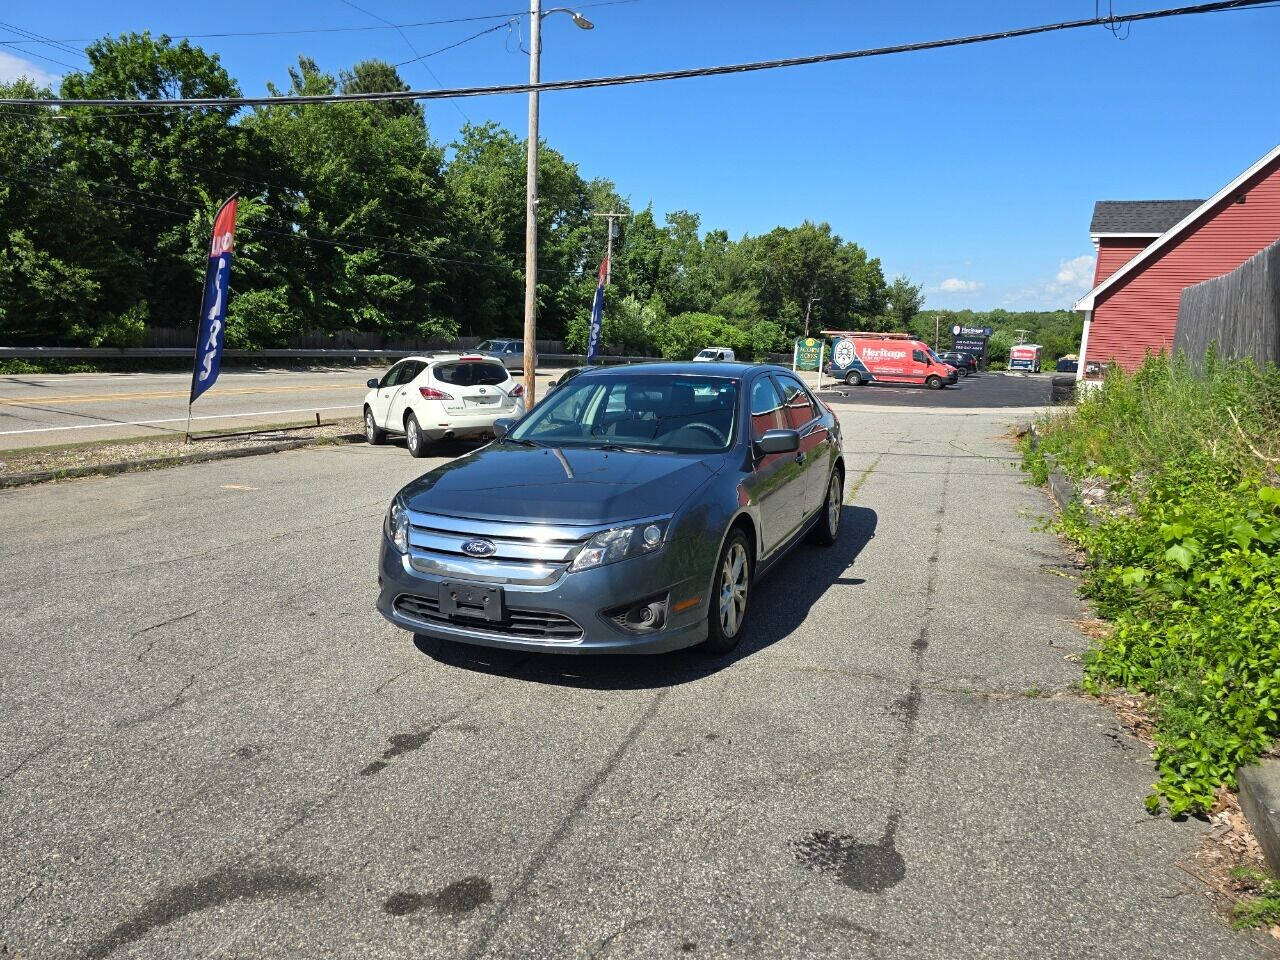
point(1115, 252)
point(1140, 312)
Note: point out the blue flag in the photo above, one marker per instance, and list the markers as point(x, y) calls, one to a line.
point(213, 311)
point(597, 314)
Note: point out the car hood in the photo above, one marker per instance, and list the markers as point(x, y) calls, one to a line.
point(560, 485)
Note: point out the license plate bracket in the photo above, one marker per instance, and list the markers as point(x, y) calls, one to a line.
point(472, 601)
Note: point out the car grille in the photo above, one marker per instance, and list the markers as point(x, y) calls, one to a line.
point(521, 553)
point(543, 625)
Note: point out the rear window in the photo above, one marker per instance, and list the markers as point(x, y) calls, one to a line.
point(472, 373)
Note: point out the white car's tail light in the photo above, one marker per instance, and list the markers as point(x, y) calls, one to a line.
point(431, 393)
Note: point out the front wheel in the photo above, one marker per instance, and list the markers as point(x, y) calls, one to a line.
point(963, 371)
point(413, 437)
point(372, 432)
point(827, 528)
point(934, 383)
point(728, 615)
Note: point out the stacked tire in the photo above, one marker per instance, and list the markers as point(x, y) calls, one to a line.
point(1063, 390)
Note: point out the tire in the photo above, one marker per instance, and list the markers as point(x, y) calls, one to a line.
point(372, 432)
point(964, 371)
point(827, 529)
point(724, 631)
point(853, 379)
point(933, 383)
point(413, 437)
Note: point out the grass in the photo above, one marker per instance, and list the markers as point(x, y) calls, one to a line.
point(1259, 906)
point(1184, 559)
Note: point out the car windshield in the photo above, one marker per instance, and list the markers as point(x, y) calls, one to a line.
point(934, 356)
point(672, 413)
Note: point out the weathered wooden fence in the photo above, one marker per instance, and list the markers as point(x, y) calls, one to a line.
point(1238, 312)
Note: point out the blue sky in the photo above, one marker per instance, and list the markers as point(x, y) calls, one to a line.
point(971, 170)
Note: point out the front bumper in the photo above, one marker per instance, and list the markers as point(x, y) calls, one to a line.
point(581, 597)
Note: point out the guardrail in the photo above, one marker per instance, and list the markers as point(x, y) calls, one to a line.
point(354, 353)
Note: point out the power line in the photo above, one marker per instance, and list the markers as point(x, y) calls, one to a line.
point(33, 37)
point(417, 56)
point(312, 30)
point(459, 43)
point(634, 78)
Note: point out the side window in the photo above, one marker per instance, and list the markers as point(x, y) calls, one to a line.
point(392, 377)
point(919, 357)
point(766, 408)
point(798, 407)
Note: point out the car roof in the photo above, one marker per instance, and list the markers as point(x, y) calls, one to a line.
point(722, 368)
point(449, 358)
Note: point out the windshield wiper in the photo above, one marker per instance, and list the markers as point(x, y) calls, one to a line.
point(523, 442)
point(619, 448)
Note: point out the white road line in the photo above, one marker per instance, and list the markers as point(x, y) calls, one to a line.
point(146, 423)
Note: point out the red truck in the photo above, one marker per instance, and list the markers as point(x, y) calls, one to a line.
point(858, 358)
point(1026, 356)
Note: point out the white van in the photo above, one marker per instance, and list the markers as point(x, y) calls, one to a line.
point(714, 355)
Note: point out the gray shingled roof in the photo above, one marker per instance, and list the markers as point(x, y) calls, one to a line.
point(1139, 216)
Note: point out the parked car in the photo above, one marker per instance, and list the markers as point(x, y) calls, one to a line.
point(966, 363)
point(1067, 364)
point(650, 501)
point(567, 376)
point(715, 355)
point(510, 352)
point(888, 358)
point(440, 397)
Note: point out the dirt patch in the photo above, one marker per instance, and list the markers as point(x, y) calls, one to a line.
point(147, 452)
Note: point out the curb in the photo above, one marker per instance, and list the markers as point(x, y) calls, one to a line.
point(131, 466)
point(1260, 799)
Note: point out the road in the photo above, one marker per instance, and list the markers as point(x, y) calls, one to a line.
point(45, 409)
point(213, 746)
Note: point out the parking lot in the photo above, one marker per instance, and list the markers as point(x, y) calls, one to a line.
point(213, 746)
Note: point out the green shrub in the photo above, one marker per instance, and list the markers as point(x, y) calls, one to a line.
point(1189, 569)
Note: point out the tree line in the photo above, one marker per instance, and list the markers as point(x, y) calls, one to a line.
point(353, 218)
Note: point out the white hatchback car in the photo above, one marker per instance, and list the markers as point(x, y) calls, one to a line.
point(439, 398)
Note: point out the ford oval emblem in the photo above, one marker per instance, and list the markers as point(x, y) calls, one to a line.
point(479, 548)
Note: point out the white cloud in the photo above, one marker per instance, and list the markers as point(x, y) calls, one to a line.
point(1073, 279)
point(1076, 274)
point(12, 67)
point(956, 285)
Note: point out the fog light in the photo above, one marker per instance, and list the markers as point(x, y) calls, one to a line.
point(643, 616)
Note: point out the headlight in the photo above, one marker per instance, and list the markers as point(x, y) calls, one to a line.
point(397, 526)
point(610, 546)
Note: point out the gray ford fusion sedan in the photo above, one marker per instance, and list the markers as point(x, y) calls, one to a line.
point(632, 511)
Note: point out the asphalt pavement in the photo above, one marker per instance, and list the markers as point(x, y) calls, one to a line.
point(212, 746)
point(39, 410)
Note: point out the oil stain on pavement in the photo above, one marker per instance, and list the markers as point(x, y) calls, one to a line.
point(865, 867)
point(401, 743)
point(454, 900)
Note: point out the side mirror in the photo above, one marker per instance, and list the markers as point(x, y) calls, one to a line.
point(554, 383)
point(501, 426)
point(372, 383)
point(778, 441)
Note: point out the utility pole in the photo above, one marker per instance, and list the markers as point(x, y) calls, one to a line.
point(1022, 335)
point(531, 213)
point(937, 326)
point(613, 229)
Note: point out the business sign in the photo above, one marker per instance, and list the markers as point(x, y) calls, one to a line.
point(213, 310)
point(959, 330)
point(976, 347)
point(808, 354)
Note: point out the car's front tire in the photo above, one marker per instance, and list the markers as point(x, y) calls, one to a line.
point(372, 432)
point(731, 594)
point(413, 438)
point(827, 529)
point(934, 383)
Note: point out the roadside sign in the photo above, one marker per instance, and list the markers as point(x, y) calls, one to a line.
point(959, 330)
point(975, 346)
point(808, 354)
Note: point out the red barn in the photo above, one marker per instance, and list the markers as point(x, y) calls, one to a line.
point(1149, 250)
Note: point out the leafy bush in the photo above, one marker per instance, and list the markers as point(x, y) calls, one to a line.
point(1186, 563)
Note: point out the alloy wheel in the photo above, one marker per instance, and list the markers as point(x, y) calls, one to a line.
point(734, 582)
point(369, 427)
point(414, 438)
point(833, 505)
